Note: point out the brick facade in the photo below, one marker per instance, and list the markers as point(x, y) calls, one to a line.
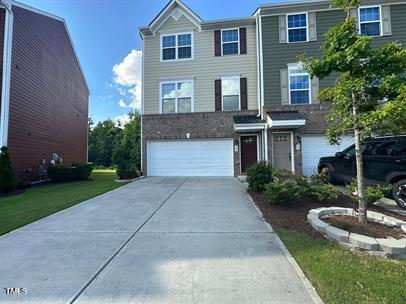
point(199, 125)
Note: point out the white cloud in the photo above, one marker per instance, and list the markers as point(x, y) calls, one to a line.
point(122, 104)
point(120, 121)
point(128, 74)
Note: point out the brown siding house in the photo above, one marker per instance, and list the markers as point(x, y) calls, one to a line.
point(47, 96)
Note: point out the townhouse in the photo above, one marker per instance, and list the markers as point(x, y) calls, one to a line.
point(219, 96)
point(44, 94)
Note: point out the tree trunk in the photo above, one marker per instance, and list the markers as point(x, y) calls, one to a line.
point(362, 208)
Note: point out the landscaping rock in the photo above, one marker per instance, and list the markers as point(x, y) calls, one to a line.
point(392, 246)
point(319, 225)
point(337, 234)
point(363, 242)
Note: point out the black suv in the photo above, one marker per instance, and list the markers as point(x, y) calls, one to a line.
point(384, 161)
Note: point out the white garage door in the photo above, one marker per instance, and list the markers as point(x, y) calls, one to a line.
point(190, 157)
point(314, 147)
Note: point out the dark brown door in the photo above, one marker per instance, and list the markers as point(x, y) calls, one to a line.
point(249, 152)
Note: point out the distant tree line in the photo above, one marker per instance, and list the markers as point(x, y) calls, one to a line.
point(115, 145)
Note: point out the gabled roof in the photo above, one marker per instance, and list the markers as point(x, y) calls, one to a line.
point(174, 9)
point(35, 10)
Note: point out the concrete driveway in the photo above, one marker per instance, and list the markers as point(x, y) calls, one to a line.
point(156, 240)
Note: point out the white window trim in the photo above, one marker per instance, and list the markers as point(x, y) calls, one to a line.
point(177, 47)
point(239, 91)
point(364, 22)
point(297, 28)
point(295, 66)
point(228, 42)
point(192, 101)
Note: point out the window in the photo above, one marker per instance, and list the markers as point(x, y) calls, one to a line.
point(299, 85)
point(297, 27)
point(230, 42)
point(378, 148)
point(400, 148)
point(176, 97)
point(370, 21)
point(230, 88)
point(177, 47)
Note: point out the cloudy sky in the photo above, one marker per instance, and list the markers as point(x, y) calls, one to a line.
point(105, 34)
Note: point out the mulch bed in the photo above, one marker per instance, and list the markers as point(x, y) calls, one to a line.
point(372, 229)
point(294, 215)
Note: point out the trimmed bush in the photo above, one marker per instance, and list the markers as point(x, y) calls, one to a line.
point(323, 192)
point(127, 171)
point(259, 175)
point(283, 191)
point(371, 193)
point(81, 171)
point(7, 177)
point(59, 173)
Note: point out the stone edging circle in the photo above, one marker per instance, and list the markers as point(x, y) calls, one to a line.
point(389, 247)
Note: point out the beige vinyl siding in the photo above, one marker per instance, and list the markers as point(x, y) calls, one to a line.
point(204, 69)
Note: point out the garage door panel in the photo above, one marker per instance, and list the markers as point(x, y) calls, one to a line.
point(315, 147)
point(190, 157)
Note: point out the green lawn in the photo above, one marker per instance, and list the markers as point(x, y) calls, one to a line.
point(341, 276)
point(41, 201)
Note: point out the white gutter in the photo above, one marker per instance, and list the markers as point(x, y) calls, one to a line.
point(258, 67)
point(5, 91)
point(261, 59)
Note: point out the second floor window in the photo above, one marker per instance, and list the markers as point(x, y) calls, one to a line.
point(230, 42)
point(370, 21)
point(297, 28)
point(177, 47)
point(299, 85)
point(230, 88)
point(177, 97)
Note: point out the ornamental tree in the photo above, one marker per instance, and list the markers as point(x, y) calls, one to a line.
point(369, 95)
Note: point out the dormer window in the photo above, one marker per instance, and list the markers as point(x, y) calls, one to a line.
point(177, 47)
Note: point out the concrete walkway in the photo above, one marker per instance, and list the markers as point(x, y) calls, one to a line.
point(156, 240)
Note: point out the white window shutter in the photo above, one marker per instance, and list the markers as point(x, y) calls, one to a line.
point(282, 29)
point(312, 26)
point(386, 21)
point(284, 86)
point(315, 89)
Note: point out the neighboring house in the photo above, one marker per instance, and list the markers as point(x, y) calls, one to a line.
point(218, 96)
point(44, 95)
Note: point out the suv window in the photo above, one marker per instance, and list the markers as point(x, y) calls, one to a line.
point(400, 148)
point(351, 151)
point(380, 148)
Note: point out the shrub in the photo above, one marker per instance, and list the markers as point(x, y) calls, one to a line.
point(371, 193)
point(81, 171)
point(127, 171)
point(7, 178)
point(323, 192)
point(59, 173)
point(287, 175)
point(259, 175)
point(283, 191)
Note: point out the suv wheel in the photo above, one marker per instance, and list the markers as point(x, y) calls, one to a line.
point(399, 193)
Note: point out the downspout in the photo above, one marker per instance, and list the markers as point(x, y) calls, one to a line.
point(258, 67)
point(142, 108)
point(266, 143)
point(261, 60)
point(5, 91)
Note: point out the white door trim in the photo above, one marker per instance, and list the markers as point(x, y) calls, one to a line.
point(239, 147)
point(292, 151)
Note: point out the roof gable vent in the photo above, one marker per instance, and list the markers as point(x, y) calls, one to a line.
point(176, 14)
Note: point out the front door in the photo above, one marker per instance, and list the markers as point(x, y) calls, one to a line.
point(249, 152)
point(282, 151)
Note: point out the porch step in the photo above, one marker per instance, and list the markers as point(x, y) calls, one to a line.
point(243, 180)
